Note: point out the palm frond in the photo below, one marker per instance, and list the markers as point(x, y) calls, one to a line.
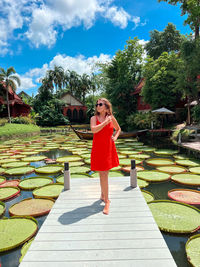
point(12, 84)
point(2, 71)
point(10, 71)
point(16, 79)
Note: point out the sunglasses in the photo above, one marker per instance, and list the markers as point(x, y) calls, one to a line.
point(100, 104)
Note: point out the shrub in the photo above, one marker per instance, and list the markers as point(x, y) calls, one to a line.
point(185, 133)
point(3, 122)
point(196, 113)
point(142, 120)
point(23, 120)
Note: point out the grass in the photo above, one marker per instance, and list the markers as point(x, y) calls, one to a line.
point(13, 129)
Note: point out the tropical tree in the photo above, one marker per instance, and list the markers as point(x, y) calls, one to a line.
point(9, 78)
point(167, 41)
point(190, 8)
point(160, 81)
point(123, 73)
point(85, 85)
point(56, 77)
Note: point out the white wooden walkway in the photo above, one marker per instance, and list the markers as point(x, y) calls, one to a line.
point(77, 233)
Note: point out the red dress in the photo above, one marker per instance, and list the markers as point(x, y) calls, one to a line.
point(104, 155)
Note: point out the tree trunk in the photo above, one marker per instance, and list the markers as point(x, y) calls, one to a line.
point(8, 106)
point(188, 108)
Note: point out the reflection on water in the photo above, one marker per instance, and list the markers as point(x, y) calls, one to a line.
point(176, 243)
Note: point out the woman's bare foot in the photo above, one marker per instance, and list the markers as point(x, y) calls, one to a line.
point(106, 208)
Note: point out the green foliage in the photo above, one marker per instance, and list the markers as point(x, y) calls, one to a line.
point(196, 113)
point(185, 133)
point(3, 122)
point(167, 41)
point(23, 120)
point(160, 81)
point(15, 129)
point(123, 73)
point(142, 120)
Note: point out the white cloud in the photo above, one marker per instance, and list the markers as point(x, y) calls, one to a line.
point(118, 16)
point(26, 83)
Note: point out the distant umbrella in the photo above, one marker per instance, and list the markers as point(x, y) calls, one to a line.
point(163, 111)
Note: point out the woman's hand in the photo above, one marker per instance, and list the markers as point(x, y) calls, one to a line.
point(114, 138)
point(108, 120)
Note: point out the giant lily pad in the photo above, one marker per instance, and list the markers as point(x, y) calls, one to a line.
point(8, 192)
point(19, 171)
point(34, 158)
point(14, 183)
point(3, 161)
point(142, 183)
point(25, 249)
point(127, 169)
point(171, 169)
point(81, 169)
point(31, 207)
point(153, 176)
point(15, 231)
point(2, 208)
point(15, 164)
point(127, 162)
point(195, 170)
point(48, 191)
point(192, 248)
point(68, 159)
point(2, 179)
point(2, 170)
point(186, 178)
point(34, 182)
point(165, 152)
point(148, 196)
point(159, 162)
point(187, 162)
point(175, 217)
point(48, 169)
point(188, 196)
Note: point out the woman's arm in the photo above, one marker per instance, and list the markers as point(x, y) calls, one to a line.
point(96, 128)
point(117, 128)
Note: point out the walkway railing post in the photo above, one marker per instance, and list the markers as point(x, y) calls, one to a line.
point(133, 174)
point(66, 176)
point(179, 138)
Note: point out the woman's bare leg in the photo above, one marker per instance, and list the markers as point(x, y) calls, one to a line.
point(104, 189)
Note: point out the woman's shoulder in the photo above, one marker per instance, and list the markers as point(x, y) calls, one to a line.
point(93, 118)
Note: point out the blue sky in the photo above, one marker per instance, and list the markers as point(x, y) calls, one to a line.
point(75, 34)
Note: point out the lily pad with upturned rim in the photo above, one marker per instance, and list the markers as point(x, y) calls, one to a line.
point(31, 207)
point(195, 170)
point(48, 169)
point(165, 152)
point(127, 162)
point(15, 231)
point(48, 191)
point(2, 170)
point(175, 217)
point(188, 196)
point(141, 183)
point(192, 248)
point(8, 192)
point(15, 164)
point(148, 196)
point(127, 169)
point(79, 169)
point(186, 178)
point(34, 182)
point(34, 158)
point(153, 176)
point(12, 182)
point(2, 179)
point(187, 162)
point(171, 169)
point(19, 171)
point(68, 159)
point(159, 162)
point(25, 249)
point(2, 208)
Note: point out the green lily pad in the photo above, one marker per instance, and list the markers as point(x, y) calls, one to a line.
point(186, 178)
point(68, 159)
point(3, 161)
point(15, 231)
point(182, 156)
point(48, 169)
point(34, 158)
point(31, 207)
point(8, 192)
point(127, 169)
point(165, 152)
point(19, 171)
point(34, 182)
point(2, 170)
point(2, 208)
point(192, 248)
point(195, 170)
point(115, 174)
point(159, 162)
point(25, 248)
point(2, 179)
point(87, 161)
point(141, 156)
point(127, 162)
point(188, 163)
point(175, 217)
point(79, 175)
point(48, 191)
point(81, 169)
point(153, 176)
point(148, 196)
point(15, 164)
point(148, 149)
point(171, 169)
point(142, 183)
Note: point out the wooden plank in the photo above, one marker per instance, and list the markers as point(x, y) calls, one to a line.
point(77, 233)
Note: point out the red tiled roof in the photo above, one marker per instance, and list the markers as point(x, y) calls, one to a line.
point(139, 86)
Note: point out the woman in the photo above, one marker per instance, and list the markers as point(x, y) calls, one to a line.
point(104, 155)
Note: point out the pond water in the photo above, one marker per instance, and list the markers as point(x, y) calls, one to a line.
point(176, 243)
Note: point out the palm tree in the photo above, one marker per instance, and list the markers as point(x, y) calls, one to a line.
point(85, 85)
point(56, 76)
point(9, 78)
